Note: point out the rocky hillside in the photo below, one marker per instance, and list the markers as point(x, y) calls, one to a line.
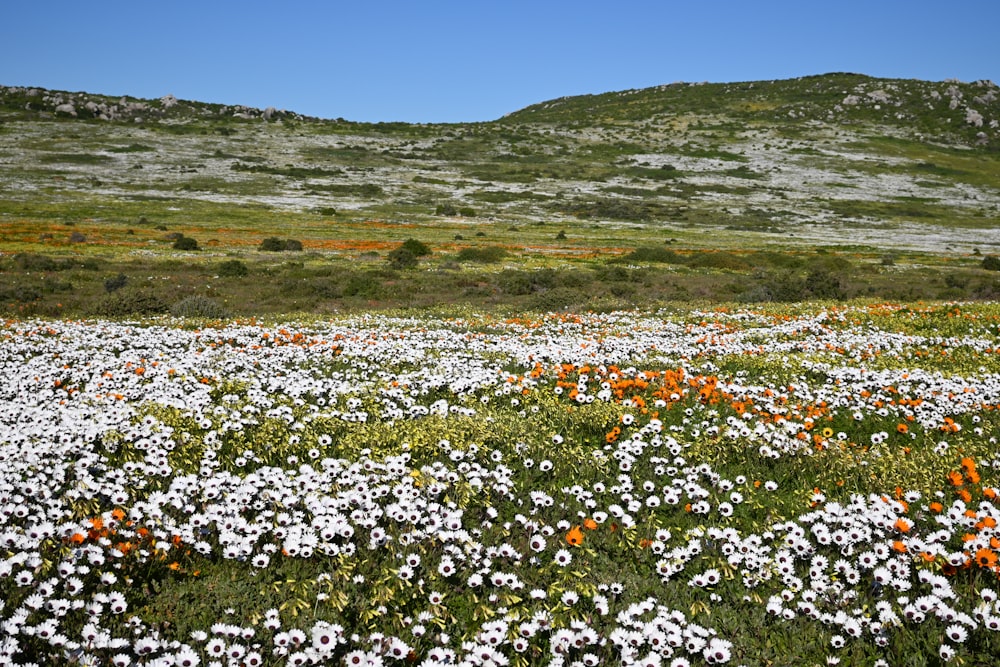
point(837, 158)
point(947, 111)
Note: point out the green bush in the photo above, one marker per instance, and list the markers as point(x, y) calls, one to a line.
point(185, 243)
point(446, 209)
point(274, 244)
point(719, 260)
point(418, 248)
point(560, 298)
point(232, 268)
point(199, 306)
point(517, 282)
point(28, 261)
point(115, 283)
point(654, 254)
point(402, 258)
point(366, 285)
point(991, 263)
point(126, 303)
point(485, 255)
point(19, 294)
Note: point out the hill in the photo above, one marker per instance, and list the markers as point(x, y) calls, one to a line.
point(841, 162)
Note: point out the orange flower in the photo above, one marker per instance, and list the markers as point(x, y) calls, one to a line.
point(902, 525)
point(899, 547)
point(965, 495)
point(575, 536)
point(118, 513)
point(174, 566)
point(902, 428)
point(589, 524)
point(936, 507)
point(955, 478)
point(985, 558)
point(77, 538)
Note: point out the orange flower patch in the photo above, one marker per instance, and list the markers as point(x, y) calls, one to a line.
point(575, 536)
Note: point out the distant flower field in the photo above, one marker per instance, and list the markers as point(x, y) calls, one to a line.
point(781, 486)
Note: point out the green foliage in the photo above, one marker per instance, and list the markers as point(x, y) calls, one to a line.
point(274, 244)
point(115, 283)
point(130, 302)
point(367, 284)
point(199, 306)
point(654, 254)
point(991, 263)
point(483, 255)
point(232, 268)
point(185, 243)
point(418, 248)
point(402, 258)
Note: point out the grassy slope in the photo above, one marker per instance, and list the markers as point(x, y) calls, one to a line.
point(743, 181)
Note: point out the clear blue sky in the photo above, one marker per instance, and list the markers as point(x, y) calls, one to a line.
point(427, 61)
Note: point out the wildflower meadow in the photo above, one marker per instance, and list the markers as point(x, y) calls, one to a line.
point(793, 485)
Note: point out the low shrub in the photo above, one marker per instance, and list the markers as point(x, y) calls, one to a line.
point(199, 306)
point(274, 244)
point(654, 254)
point(418, 248)
point(991, 263)
point(402, 258)
point(485, 255)
point(115, 283)
point(27, 261)
point(559, 298)
point(232, 268)
point(185, 243)
point(127, 303)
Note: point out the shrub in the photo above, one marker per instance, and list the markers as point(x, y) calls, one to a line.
point(484, 255)
point(446, 209)
point(232, 268)
point(366, 285)
point(991, 263)
point(199, 306)
point(556, 299)
point(115, 283)
point(125, 303)
point(27, 261)
point(274, 244)
point(467, 212)
point(402, 258)
point(185, 243)
point(19, 294)
point(418, 248)
point(654, 254)
point(719, 260)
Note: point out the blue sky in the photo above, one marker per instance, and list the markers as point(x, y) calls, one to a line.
point(473, 61)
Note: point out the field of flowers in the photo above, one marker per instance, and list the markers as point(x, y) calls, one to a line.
point(793, 486)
